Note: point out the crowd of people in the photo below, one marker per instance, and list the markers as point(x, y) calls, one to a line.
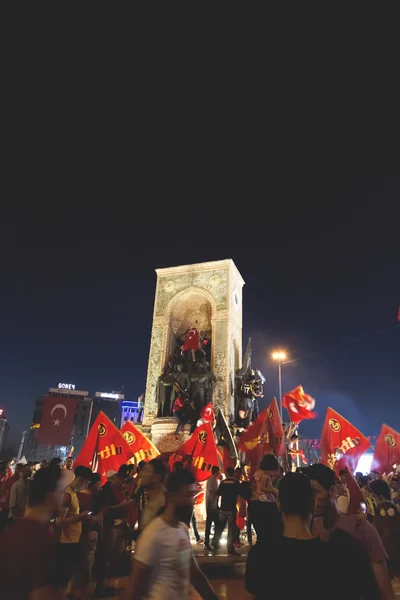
point(65, 531)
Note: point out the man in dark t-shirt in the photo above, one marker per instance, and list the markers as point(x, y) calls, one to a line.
point(298, 564)
point(27, 548)
point(228, 491)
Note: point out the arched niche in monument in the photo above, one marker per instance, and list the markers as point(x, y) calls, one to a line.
point(191, 308)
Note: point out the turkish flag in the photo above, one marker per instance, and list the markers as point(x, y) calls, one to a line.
point(199, 452)
point(207, 412)
point(104, 449)
point(299, 405)
point(192, 340)
point(56, 422)
point(387, 450)
point(341, 441)
point(141, 447)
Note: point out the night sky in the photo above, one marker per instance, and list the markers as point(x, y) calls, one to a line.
point(77, 304)
point(287, 167)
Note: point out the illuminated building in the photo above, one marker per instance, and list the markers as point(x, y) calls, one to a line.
point(66, 391)
point(129, 411)
point(110, 404)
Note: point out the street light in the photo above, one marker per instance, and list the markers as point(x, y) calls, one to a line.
point(279, 356)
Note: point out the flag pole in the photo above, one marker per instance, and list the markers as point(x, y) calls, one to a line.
point(90, 417)
point(280, 388)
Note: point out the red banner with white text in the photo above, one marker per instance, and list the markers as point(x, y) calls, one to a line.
point(342, 444)
point(199, 453)
point(105, 449)
point(387, 450)
point(141, 447)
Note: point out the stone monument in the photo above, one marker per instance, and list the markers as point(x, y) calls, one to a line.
point(196, 345)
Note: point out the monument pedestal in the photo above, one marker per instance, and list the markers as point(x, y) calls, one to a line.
point(163, 434)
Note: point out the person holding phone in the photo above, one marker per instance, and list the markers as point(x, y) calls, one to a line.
point(70, 524)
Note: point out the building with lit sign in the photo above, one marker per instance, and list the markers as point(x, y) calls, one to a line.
point(110, 404)
point(34, 451)
point(87, 409)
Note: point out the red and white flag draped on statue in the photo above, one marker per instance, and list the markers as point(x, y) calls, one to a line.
point(141, 447)
point(207, 412)
point(264, 435)
point(198, 453)
point(342, 444)
point(299, 405)
point(387, 450)
point(104, 449)
point(57, 421)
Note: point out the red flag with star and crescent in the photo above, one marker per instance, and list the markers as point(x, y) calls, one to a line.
point(299, 405)
point(104, 449)
point(199, 452)
point(387, 450)
point(57, 420)
point(342, 444)
point(141, 447)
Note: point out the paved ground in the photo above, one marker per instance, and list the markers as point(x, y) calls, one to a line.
point(226, 574)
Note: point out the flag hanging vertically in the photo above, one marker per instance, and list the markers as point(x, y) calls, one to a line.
point(56, 422)
point(276, 433)
point(141, 447)
point(199, 453)
point(341, 441)
point(387, 450)
point(104, 449)
point(299, 405)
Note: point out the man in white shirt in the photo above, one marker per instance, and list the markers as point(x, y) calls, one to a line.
point(212, 504)
point(164, 564)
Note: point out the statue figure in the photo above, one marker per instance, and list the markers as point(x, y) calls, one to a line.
point(248, 388)
point(164, 391)
point(186, 384)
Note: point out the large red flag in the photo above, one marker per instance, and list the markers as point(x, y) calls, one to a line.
point(141, 447)
point(57, 420)
point(299, 405)
point(277, 436)
point(387, 450)
point(256, 436)
point(341, 441)
point(104, 449)
point(264, 435)
point(199, 451)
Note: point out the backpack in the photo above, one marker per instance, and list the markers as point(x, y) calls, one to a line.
point(355, 569)
point(387, 522)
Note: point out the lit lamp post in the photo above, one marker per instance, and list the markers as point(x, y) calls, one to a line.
point(279, 356)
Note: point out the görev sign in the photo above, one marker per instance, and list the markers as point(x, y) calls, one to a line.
point(66, 386)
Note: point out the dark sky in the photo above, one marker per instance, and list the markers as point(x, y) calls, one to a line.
point(282, 155)
point(77, 303)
